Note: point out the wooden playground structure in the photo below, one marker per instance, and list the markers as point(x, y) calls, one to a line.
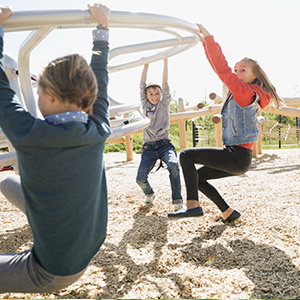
point(291, 109)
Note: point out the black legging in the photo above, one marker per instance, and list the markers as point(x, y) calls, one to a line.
point(217, 163)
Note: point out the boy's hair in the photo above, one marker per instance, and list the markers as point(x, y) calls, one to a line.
point(263, 81)
point(70, 80)
point(152, 85)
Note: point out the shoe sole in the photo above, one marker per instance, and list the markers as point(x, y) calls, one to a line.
point(184, 217)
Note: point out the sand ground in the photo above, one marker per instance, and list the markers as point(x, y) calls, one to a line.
point(146, 255)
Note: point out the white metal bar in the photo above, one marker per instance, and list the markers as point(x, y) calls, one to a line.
point(121, 121)
point(177, 47)
point(150, 59)
point(129, 129)
point(30, 20)
point(33, 20)
point(207, 110)
point(149, 46)
point(8, 159)
point(23, 61)
point(123, 109)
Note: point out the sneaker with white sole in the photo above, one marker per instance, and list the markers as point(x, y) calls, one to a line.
point(186, 213)
point(149, 200)
point(178, 206)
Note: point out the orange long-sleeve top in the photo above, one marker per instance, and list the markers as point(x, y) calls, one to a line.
point(243, 93)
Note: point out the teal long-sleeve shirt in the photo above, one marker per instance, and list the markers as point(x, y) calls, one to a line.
point(62, 174)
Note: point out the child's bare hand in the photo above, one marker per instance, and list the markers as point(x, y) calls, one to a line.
point(145, 65)
point(204, 32)
point(5, 12)
point(100, 12)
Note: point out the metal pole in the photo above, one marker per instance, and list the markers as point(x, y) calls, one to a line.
point(194, 134)
point(279, 134)
point(298, 127)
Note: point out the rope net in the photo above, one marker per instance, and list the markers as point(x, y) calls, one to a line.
point(282, 132)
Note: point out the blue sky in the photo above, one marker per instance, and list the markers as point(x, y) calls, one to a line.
point(266, 30)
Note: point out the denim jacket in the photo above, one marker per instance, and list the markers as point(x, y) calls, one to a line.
point(239, 123)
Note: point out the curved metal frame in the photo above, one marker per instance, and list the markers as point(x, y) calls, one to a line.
point(41, 23)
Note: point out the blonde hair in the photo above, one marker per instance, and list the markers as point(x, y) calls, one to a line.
point(70, 80)
point(263, 81)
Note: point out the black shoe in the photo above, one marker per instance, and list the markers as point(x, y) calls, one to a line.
point(186, 213)
point(234, 216)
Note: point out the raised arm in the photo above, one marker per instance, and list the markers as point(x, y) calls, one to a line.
point(165, 72)
point(99, 63)
point(144, 73)
point(241, 91)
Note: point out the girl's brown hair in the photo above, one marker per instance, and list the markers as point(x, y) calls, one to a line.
point(263, 81)
point(70, 80)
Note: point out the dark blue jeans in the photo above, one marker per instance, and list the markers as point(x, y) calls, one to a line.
point(164, 150)
point(216, 163)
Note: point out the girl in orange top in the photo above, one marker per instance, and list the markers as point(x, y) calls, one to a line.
point(248, 87)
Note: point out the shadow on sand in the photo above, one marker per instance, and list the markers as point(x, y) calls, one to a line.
point(269, 269)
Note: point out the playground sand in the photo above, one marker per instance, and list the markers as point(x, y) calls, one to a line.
point(146, 255)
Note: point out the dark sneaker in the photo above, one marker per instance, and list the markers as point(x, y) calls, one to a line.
point(234, 216)
point(186, 213)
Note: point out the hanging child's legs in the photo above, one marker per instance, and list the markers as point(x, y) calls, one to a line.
point(152, 151)
point(206, 173)
point(148, 160)
point(169, 157)
point(229, 161)
point(22, 273)
point(11, 188)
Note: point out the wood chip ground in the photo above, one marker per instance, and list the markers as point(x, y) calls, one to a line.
point(147, 256)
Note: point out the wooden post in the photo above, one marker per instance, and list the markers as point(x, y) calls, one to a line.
point(181, 126)
point(254, 150)
point(218, 128)
point(129, 148)
point(257, 148)
point(129, 144)
point(259, 142)
point(217, 120)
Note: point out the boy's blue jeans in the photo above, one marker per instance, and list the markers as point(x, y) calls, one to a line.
point(164, 150)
